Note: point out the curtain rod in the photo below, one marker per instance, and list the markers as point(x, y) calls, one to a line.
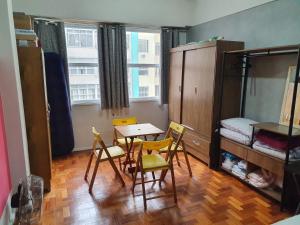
point(94, 22)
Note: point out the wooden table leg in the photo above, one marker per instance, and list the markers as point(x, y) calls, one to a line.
point(128, 148)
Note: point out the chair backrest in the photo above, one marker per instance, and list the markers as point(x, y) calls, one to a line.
point(124, 121)
point(97, 139)
point(157, 145)
point(175, 131)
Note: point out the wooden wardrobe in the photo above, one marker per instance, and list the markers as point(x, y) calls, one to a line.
point(194, 85)
point(31, 62)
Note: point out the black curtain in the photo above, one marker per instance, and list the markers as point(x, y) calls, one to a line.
point(113, 66)
point(170, 38)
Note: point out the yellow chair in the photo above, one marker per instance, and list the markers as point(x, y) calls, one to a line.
point(122, 122)
point(153, 162)
point(176, 131)
point(103, 154)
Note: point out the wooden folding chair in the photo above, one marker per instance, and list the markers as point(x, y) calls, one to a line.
point(103, 154)
point(153, 162)
point(120, 141)
point(124, 142)
point(176, 131)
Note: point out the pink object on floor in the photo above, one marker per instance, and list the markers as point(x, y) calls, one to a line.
point(5, 180)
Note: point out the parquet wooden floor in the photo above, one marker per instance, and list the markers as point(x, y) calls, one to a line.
point(209, 197)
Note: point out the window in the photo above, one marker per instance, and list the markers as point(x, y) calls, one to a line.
point(156, 90)
point(143, 45)
point(143, 72)
point(82, 92)
point(81, 37)
point(143, 62)
point(81, 70)
point(143, 91)
point(83, 63)
point(157, 48)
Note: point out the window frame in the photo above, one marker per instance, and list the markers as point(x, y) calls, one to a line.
point(145, 66)
point(79, 64)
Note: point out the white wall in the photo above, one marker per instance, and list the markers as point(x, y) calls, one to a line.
point(206, 10)
point(84, 117)
point(146, 12)
point(10, 89)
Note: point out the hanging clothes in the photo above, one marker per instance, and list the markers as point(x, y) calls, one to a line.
point(62, 137)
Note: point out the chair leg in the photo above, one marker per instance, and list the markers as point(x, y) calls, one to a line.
point(177, 159)
point(111, 161)
point(187, 161)
point(88, 166)
point(153, 176)
point(120, 164)
point(134, 178)
point(173, 184)
point(163, 175)
point(144, 191)
point(94, 175)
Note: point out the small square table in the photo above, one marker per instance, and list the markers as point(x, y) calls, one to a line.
point(136, 130)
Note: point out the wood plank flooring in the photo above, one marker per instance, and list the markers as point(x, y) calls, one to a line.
point(209, 197)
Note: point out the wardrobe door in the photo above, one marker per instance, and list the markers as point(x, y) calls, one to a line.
point(199, 75)
point(175, 80)
point(31, 64)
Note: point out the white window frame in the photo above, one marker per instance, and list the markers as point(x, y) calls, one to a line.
point(84, 26)
point(140, 65)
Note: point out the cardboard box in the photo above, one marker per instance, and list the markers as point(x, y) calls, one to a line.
point(22, 21)
point(26, 37)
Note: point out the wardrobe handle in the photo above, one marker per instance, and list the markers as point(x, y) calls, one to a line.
point(196, 143)
point(179, 88)
point(187, 127)
point(196, 90)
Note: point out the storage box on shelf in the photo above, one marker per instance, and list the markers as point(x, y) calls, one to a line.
point(25, 34)
point(22, 21)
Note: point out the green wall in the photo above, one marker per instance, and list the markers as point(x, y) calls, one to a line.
point(272, 24)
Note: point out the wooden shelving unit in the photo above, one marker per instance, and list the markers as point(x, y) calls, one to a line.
point(276, 128)
point(270, 192)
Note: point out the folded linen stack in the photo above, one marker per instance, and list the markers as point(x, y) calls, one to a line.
point(241, 173)
point(276, 145)
point(237, 129)
point(261, 178)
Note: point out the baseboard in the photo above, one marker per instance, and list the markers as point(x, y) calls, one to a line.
point(8, 214)
point(81, 149)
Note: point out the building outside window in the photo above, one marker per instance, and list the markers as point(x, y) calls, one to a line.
point(143, 45)
point(157, 48)
point(156, 90)
point(83, 63)
point(143, 72)
point(81, 37)
point(143, 62)
point(143, 91)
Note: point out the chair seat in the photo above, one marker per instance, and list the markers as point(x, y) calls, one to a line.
point(165, 149)
point(122, 141)
point(154, 162)
point(114, 151)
